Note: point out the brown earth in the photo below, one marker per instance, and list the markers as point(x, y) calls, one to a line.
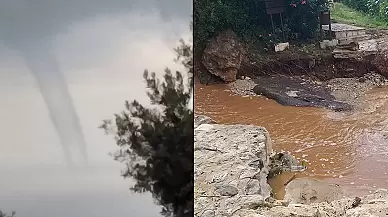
point(307, 60)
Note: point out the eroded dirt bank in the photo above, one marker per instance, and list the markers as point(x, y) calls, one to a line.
point(226, 57)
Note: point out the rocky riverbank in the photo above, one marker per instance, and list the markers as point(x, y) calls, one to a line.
point(303, 75)
point(230, 167)
point(232, 163)
point(350, 90)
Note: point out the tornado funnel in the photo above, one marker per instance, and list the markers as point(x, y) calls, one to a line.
point(54, 91)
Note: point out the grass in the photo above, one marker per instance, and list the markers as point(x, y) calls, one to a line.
point(343, 14)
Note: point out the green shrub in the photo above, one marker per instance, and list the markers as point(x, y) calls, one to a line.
point(379, 8)
point(376, 8)
point(249, 20)
point(212, 17)
point(302, 16)
point(360, 5)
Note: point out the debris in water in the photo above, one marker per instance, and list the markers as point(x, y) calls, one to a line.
point(356, 202)
point(292, 178)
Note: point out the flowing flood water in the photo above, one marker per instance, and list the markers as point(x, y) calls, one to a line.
point(347, 149)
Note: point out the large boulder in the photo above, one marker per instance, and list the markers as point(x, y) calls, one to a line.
point(381, 63)
point(223, 56)
point(381, 59)
point(202, 119)
point(283, 162)
point(230, 168)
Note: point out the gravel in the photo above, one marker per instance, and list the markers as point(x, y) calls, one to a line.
point(243, 87)
point(350, 90)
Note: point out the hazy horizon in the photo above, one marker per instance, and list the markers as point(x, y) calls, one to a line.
point(102, 56)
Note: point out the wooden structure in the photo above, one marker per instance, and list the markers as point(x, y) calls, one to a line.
point(275, 7)
point(324, 19)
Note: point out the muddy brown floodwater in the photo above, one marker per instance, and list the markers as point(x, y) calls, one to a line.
point(350, 149)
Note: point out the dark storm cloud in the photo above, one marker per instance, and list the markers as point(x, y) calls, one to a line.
point(29, 26)
point(25, 21)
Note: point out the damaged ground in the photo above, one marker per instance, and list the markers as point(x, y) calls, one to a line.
point(339, 94)
point(303, 75)
point(232, 161)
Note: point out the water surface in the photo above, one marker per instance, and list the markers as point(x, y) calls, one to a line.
point(348, 149)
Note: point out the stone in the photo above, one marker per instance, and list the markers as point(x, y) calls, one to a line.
point(281, 47)
point(356, 202)
point(202, 119)
point(230, 149)
point(282, 162)
point(307, 191)
point(381, 59)
point(208, 213)
point(328, 43)
point(223, 56)
point(201, 203)
point(252, 201)
point(253, 187)
point(227, 190)
point(351, 46)
point(257, 164)
point(243, 87)
point(249, 173)
point(368, 46)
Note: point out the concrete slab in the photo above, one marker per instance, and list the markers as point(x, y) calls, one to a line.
point(339, 27)
point(328, 43)
point(281, 47)
point(368, 46)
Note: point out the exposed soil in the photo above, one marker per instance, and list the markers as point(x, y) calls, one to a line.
point(320, 79)
point(307, 60)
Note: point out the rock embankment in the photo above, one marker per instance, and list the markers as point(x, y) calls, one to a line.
point(231, 165)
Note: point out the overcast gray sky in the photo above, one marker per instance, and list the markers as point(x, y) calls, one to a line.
point(102, 48)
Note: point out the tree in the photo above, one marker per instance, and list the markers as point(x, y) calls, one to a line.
point(3, 214)
point(156, 144)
